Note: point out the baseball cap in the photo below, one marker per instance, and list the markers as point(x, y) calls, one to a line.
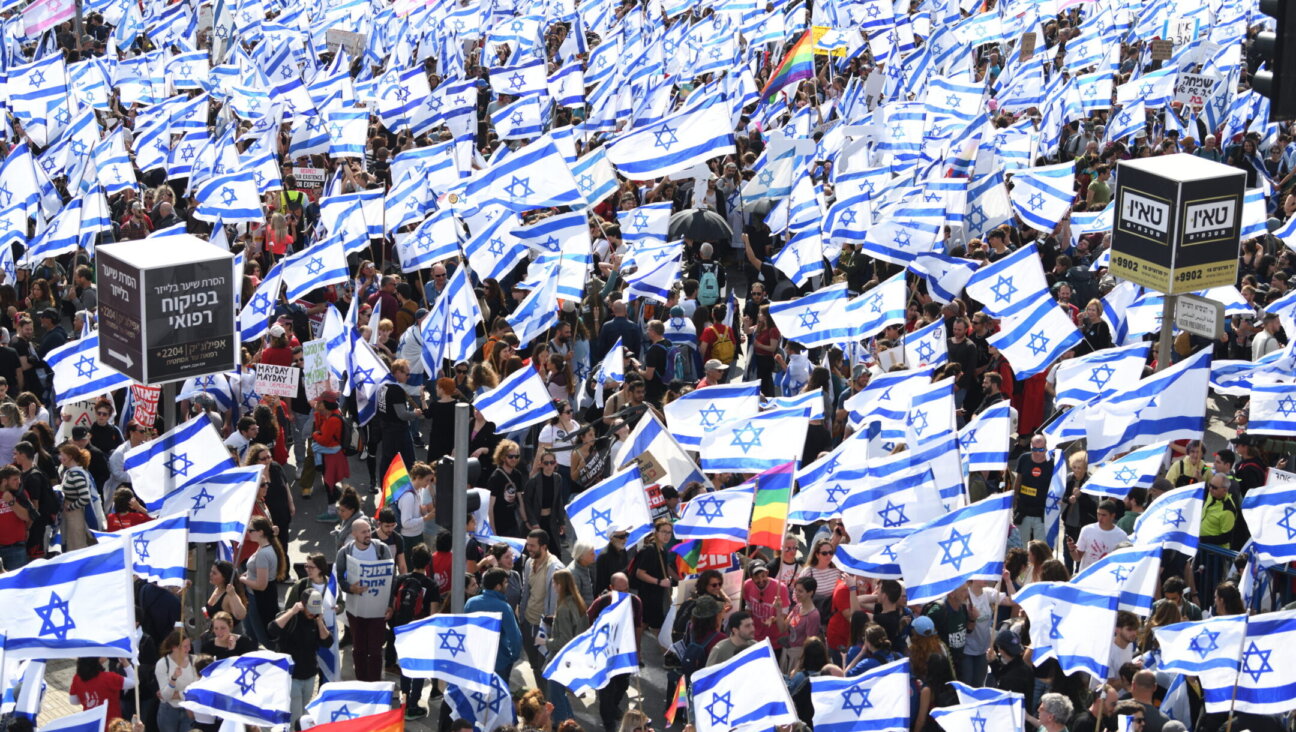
point(706, 606)
point(50, 313)
point(759, 566)
point(276, 331)
point(313, 602)
point(923, 625)
point(713, 365)
point(1009, 642)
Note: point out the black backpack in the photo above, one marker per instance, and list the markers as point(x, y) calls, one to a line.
point(350, 440)
point(408, 601)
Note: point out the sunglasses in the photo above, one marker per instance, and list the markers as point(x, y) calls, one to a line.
point(547, 463)
point(513, 456)
point(824, 554)
point(101, 414)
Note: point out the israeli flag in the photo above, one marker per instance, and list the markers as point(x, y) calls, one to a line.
point(90, 720)
point(984, 443)
point(595, 177)
point(1270, 513)
point(971, 694)
point(945, 276)
point(886, 399)
point(748, 689)
point(486, 711)
point(701, 411)
point(23, 683)
point(809, 400)
point(459, 649)
point(932, 455)
point(520, 120)
point(815, 319)
point(993, 714)
point(722, 514)
point(927, 346)
point(616, 504)
point(1173, 521)
point(456, 337)
point(520, 400)
point(79, 374)
point(254, 318)
point(1100, 372)
point(1264, 683)
point(158, 549)
point(1070, 624)
point(1132, 573)
point(965, 544)
point(676, 143)
point(1135, 470)
point(1202, 647)
point(338, 701)
point(186, 454)
point(1010, 285)
point(77, 604)
point(1035, 336)
point(219, 506)
point(876, 700)
point(231, 198)
point(756, 444)
point(1042, 196)
point(347, 131)
point(319, 265)
point(902, 503)
point(607, 648)
point(877, 308)
point(368, 375)
point(931, 412)
point(1169, 405)
point(655, 279)
point(251, 689)
point(872, 555)
point(1273, 409)
point(533, 176)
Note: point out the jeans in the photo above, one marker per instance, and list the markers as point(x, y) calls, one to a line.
point(1031, 527)
point(172, 719)
point(300, 694)
point(367, 636)
point(972, 668)
point(13, 557)
point(252, 624)
point(561, 702)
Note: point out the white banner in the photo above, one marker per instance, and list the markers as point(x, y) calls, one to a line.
point(375, 577)
point(277, 380)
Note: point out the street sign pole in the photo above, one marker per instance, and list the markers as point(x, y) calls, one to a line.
point(1167, 332)
point(459, 562)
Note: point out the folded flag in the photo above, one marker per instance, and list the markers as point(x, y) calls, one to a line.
point(876, 700)
point(607, 648)
point(722, 514)
point(1270, 513)
point(1135, 470)
point(748, 689)
point(1173, 521)
point(756, 444)
point(1071, 624)
point(341, 700)
point(1210, 646)
point(616, 504)
point(251, 689)
point(1265, 681)
point(962, 545)
point(520, 400)
point(459, 649)
point(158, 549)
point(651, 442)
point(77, 604)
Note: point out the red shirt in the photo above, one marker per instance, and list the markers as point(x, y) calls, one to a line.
point(761, 604)
point(119, 521)
point(838, 634)
point(440, 571)
point(106, 688)
point(13, 530)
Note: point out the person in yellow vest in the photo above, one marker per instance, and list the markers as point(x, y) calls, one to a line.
point(290, 195)
point(1219, 514)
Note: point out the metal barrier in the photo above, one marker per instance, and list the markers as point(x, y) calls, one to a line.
point(1214, 564)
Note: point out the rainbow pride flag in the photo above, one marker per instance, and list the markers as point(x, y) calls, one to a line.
point(679, 700)
point(769, 512)
point(798, 65)
point(395, 482)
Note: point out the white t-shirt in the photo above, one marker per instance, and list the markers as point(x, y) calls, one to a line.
point(986, 603)
point(1096, 543)
point(1120, 656)
point(556, 435)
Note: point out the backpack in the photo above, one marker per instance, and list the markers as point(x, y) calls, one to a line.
point(407, 601)
point(679, 365)
point(695, 655)
point(1083, 286)
point(679, 629)
point(723, 348)
point(350, 438)
point(708, 286)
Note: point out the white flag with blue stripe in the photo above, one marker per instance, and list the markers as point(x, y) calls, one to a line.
point(877, 308)
point(1071, 624)
point(609, 647)
point(816, 319)
point(876, 700)
point(1173, 521)
point(1200, 647)
point(79, 374)
point(347, 131)
point(964, 544)
point(1273, 409)
point(519, 401)
point(985, 442)
point(595, 177)
point(931, 413)
point(1035, 336)
point(722, 514)
point(1135, 470)
point(187, 453)
point(927, 346)
point(972, 694)
point(756, 444)
point(701, 411)
point(1042, 196)
point(321, 264)
point(1266, 684)
point(1270, 513)
point(747, 690)
point(812, 400)
point(1082, 379)
point(1131, 572)
point(905, 502)
point(367, 378)
point(1010, 285)
point(90, 720)
point(487, 711)
point(676, 143)
point(158, 549)
point(1000, 713)
point(231, 198)
point(455, 336)
point(77, 604)
point(1169, 405)
point(252, 689)
point(337, 701)
point(616, 504)
point(872, 555)
point(459, 649)
point(946, 277)
point(886, 400)
point(254, 318)
point(219, 506)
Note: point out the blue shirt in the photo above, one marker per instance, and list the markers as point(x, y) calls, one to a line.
point(492, 601)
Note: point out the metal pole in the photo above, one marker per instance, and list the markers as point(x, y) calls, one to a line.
point(78, 28)
point(1167, 332)
point(458, 560)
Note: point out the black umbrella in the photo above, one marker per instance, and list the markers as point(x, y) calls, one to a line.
point(700, 224)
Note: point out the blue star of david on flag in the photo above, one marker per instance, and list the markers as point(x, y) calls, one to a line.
point(1126, 474)
point(342, 712)
point(179, 464)
point(46, 612)
point(1120, 572)
point(747, 437)
point(1038, 343)
point(1256, 672)
point(599, 642)
point(968, 440)
point(315, 265)
point(1287, 406)
point(458, 318)
point(1101, 375)
point(85, 367)
point(711, 416)
point(1204, 642)
point(141, 547)
point(1054, 621)
point(496, 247)
point(519, 187)
point(1173, 517)
point(665, 137)
point(1037, 200)
point(947, 546)
point(856, 700)
point(1286, 522)
point(900, 518)
point(809, 319)
point(600, 521)
point(363, 377)
point(247, 679)
point(979, 722)
point(918, 422)
point(719, 708)
point(1003, 289)
point(836, 493)
point(709, 508)
point(228, 196)
point(926, 351)
point(453, 641)
point(847, 217)
point(203, 499)
point(520, 402)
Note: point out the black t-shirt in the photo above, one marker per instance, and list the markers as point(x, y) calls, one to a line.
point(506, 489)
point(655, 358)
point(1035, 479)
point(23, 347)
point(393, 396)
point(964, 354)
point(9, 366)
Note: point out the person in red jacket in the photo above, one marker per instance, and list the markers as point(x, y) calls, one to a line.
point(326, 443)
point(127, 511)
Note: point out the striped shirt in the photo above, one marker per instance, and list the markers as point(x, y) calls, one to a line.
point(76, 487)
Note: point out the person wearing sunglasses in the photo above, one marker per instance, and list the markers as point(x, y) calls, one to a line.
point(545, 500)
point(507, 509)
point(819, 566)
point(1134, 710)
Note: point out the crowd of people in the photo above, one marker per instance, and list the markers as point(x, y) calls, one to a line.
point(710, 326)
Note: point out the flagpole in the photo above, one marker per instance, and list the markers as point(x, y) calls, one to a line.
point(1237, 678)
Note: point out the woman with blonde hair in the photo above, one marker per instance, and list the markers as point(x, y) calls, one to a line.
point(535, 712)
point(569, 622)
point(278, 238)
point(11, 427)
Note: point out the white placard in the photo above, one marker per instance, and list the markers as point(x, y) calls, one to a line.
point(375, 576)
point(277, 380)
